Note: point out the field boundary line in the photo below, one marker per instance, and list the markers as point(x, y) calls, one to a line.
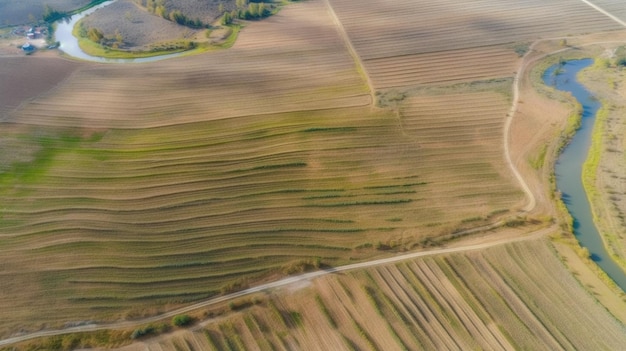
point(355, 55)
point(605, 12)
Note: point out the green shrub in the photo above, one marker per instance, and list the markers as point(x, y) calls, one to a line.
point(181, 320)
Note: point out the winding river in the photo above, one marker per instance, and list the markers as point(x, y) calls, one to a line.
point(69, 43)
point(568, 168)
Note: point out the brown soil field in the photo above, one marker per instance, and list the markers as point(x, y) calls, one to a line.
point(425, 42)
point(19, 12)
point(467, 127)
point(447, 67)
point(138, 27)
point(25, 78)
point(309, 70)
point(152, 186)
point(512, 297)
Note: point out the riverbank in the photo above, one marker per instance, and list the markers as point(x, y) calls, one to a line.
point(539, 122)
point(568, 168)
point(604, 171)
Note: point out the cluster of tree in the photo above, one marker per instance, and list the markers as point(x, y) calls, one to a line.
point(96, 35)
point(178, 17)
point(181, 320)
point(246, 10)
point(51, 15)
point(158, 8)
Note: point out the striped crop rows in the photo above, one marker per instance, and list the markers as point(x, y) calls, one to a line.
point(460, 136)
point(311, 69)
point(137, 218)
point(450, 35)
point(184, 212)
point(514, 297)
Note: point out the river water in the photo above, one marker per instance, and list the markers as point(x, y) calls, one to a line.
point(69, 43)
point(569, 165)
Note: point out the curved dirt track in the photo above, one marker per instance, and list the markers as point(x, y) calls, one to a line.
point(532, 202)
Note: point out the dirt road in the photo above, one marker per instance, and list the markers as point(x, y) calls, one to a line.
point(274, 285)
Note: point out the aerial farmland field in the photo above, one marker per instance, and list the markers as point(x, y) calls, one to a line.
point(516, 296)
point(328, 134)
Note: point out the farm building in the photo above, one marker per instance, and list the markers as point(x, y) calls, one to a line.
point(28, 48)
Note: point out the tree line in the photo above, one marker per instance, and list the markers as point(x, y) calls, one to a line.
point(246, 10)
point(158, 8)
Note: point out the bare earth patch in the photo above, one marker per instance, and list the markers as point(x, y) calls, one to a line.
point(30, 77)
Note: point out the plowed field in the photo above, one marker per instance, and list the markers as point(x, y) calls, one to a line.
point(409, 42)
point(514, 297)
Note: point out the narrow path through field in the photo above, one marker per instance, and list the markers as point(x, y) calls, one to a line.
point(355, 55)
point(604, 12)
point(273, 285)
point(532, 202)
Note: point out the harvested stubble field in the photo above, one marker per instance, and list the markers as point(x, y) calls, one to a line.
point(134, 219)
point(518, 296)
point(457, 40)
point(310, 70)
point(171, 182)
point(460, 138)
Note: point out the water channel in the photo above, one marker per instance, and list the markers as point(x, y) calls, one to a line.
point(69, 43)
point(569, 165)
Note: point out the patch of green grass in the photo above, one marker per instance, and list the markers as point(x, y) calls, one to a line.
point(538, 160)
point(31, 171)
